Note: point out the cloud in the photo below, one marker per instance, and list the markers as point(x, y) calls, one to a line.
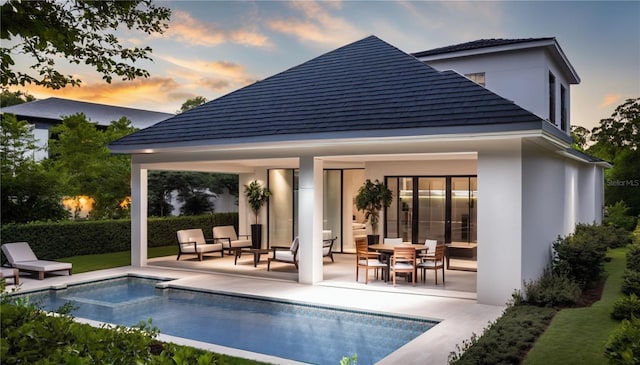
point(610, 99)
point(317, 24)
point(185, 28)
point(150, 91)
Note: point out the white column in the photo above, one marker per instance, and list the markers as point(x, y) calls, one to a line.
point(310, 193)
point(138, 215)
point(499, 223)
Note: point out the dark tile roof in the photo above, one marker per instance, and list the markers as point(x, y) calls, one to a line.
point(55, 108)
point(482, 43)
point(361, 89)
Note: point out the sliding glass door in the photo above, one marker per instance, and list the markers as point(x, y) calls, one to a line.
point(440, 208)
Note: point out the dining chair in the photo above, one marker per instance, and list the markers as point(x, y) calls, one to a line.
point(366, 259)
point(431, 250)
point(404, 261)
point(392, 241)
point(435, 263)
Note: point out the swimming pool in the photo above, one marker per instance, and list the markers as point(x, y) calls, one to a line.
point(296, 331)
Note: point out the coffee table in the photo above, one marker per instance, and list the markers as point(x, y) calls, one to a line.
point(257, 252)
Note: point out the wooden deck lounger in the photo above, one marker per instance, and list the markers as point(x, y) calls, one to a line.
point(21, 257)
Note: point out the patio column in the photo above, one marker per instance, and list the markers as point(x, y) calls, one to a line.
point(138, 215)
point(310, 193)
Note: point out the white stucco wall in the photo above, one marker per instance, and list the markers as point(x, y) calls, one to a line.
point(499, 222)
point(544, 188)
point(518, 75)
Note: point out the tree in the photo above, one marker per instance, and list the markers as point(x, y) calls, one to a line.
point(192, 103)
point(80, 155)
point(82, 32)
point(9, 98)
point(29, 193)
point(617, 140)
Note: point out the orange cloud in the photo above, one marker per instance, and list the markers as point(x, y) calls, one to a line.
point(151, 91)
point(318, 24)
point(610, 99)
point(186, 28)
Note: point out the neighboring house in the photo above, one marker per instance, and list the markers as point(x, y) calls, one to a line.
point(464, 164)
point(46, 113)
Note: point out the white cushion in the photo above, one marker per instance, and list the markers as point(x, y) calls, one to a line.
point(191, 235)
point(43, 265)
point(429, 264)
point(18, 251)
point(392, 241)
point(294, 245)
point(283, 255)
point(402, 266)
point(210, 247)
point(371, 262)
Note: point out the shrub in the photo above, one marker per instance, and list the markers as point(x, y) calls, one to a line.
point(631, 282)
point(581, 257)
point(633, 257)
point(606, 235)
point(623, 347)
point(625, 307)
point(618, 216)
point(506, 340)
point(552, 290)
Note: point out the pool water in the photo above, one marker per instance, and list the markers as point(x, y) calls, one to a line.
point(301, 332)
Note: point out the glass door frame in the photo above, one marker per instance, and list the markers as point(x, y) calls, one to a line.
point(415, 217)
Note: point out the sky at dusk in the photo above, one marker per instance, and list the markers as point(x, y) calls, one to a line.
point(215, 47)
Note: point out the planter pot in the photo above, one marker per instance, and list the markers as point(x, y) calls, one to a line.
point(373, 239)
point(256, 235)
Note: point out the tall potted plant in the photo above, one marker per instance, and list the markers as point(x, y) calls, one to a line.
point(257, 195)
point(371, 198)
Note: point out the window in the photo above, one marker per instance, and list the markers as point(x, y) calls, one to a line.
point(552, 98)
point(477, 77)
point(563, 108)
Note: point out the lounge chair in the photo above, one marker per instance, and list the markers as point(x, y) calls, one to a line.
point(192, 242)
point(327, 247)
point(9, 272)
point(229, 239)
point(285, 254)
point(21, 257)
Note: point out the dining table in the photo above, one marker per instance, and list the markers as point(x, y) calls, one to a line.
point(386, 251)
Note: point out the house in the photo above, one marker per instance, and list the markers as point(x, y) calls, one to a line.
point(46, 113)
point(464, 163)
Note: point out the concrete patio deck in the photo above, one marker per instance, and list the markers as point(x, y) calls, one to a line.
point(454, 306)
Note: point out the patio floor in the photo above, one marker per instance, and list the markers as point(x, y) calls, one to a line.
point(453, 304)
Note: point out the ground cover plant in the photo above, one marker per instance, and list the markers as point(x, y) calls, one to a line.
point(566, 296)
point(31, 336)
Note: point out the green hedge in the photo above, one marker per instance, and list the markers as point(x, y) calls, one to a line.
point(50, 241)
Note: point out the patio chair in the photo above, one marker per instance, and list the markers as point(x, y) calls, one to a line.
point(392, 241)
point(366, 259)
point(404, 261)
point(434, 263)
point(192, 242)
point(9, 272)
point(229, 239)
point(288, 255)
point(327, 247)
point(20, 256)
point(431, 252)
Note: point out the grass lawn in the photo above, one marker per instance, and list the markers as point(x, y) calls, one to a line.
point(578, 335)
point(115, 259)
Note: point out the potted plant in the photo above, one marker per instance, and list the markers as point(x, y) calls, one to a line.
point(371, 198)
point(257, 195)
